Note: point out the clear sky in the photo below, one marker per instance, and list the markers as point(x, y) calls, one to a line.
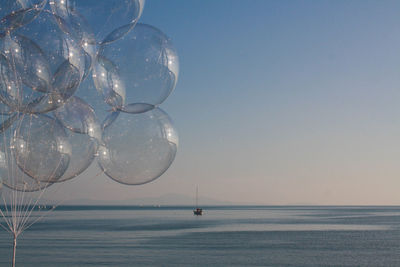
point(278, 102)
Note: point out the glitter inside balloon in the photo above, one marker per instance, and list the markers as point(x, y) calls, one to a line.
point(103, 16)
point(83, 152)
point(83, 133)
point(79, 117)
point(138, 148)
point(138, 72)
point(14, 14)
point(41, 147)
point(78, 81)
point(12, 176)
point(45, 64)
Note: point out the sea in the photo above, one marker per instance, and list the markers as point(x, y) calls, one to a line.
point(222, 236)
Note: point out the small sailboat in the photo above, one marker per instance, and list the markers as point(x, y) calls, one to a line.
point(197, 211)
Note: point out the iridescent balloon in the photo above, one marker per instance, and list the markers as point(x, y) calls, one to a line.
point(103, 16)
point(138, 72)
point(138, 148)
point(41, 147)
point(16, 13)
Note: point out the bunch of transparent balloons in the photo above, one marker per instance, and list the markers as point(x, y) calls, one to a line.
point(82, 80)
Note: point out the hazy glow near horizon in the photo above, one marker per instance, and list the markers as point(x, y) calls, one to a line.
point(278, 102)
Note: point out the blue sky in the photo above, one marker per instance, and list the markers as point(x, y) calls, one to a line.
point(278, 102)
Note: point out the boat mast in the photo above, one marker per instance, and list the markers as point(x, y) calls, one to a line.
point(197, 196)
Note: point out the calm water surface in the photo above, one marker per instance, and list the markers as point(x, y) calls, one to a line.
point(223, 236)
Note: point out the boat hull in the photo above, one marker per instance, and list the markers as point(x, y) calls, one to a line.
point(198, 212)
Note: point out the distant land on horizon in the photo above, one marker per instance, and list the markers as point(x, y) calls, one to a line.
point(175, 200)
point(164, 200)
point(179, 200)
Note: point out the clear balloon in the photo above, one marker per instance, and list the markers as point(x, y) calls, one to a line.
point(28, 60)
point(103, 16)
point(138, 148)
point(45, 66)
point(80, 79)
point(13, 177)
point(84, 134)
point(41, 147)
point(75, 25)
point(90, 95)
point(16, 13)
point(79, 117)
point(24, 72)
point(57, 45)
point(4, 108)
point(138, 72)
point(22, 182)
point(7, 121)
point(83, 152)
point(27, 84)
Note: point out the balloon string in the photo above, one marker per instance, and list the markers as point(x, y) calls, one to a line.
point(23, 207)
point(26, 226)
point(26, 216)
point(20, 204)
point(8, 221)
point(5, 218)
point(43, 215)
point(5, 228)
point(12, 174)
point(30, 208)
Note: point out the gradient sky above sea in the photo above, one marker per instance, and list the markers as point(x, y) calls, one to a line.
point(278, 102)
